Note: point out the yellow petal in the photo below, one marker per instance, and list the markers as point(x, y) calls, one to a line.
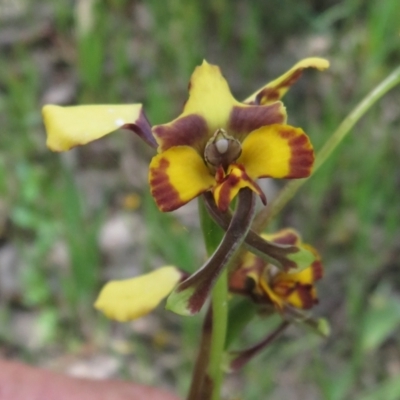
point(277, 151)
point(305, 277)
point(207, 109)
point(299, 295)
point(276, 89)
point(129, 299)
point(210, 96)
point(68, 127)
point(177, 176)
point(264, 288)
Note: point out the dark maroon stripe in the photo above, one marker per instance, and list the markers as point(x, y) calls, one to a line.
point(291, 79)
point(142, 128)
point(191, 131)
point(288, 238)
point(166, 197)
point(268, 94)
point(273, 93)
point(302, 154)
point(244, 120)
point(305, 294)
point(224, 194)
point(317, 270)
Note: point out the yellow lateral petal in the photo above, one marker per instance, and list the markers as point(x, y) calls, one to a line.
point(68, 127)
point(129, 299)
point(276, 89)
point(277, 151)
point(177, 176)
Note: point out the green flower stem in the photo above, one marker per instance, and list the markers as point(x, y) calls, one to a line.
point(219, 297)
point(269, 212)
point(219, 301)
point(213, 235)
point(208, 366)
point(201, 386)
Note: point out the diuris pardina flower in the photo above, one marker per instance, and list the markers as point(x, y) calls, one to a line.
point(217, 143)
point(267, 285)
point(217, 146)
point(290, 293)
point(223, 145)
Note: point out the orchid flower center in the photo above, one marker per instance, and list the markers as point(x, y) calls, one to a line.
point(222, 149)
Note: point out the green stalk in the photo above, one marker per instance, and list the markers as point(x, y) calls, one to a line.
point(207, 376)
point(214, 238)
point(219, 303)
point(269, 212)
point(201, 384)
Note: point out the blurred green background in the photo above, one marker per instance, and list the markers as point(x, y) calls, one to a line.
point(69, 222)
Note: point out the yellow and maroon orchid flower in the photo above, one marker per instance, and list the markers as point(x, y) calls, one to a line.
point(223, 145)
point(216, 144)
point(290, 293)
point(265, 284)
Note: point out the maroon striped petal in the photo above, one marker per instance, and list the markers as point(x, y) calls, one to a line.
point(190, 130)
point(245, 119)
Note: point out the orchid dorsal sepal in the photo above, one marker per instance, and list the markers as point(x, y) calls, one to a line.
point(129, 299)
point(190, 295)
point(72, 126)
point(284, 256)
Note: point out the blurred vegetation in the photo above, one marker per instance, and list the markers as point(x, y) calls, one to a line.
point(144, 51)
